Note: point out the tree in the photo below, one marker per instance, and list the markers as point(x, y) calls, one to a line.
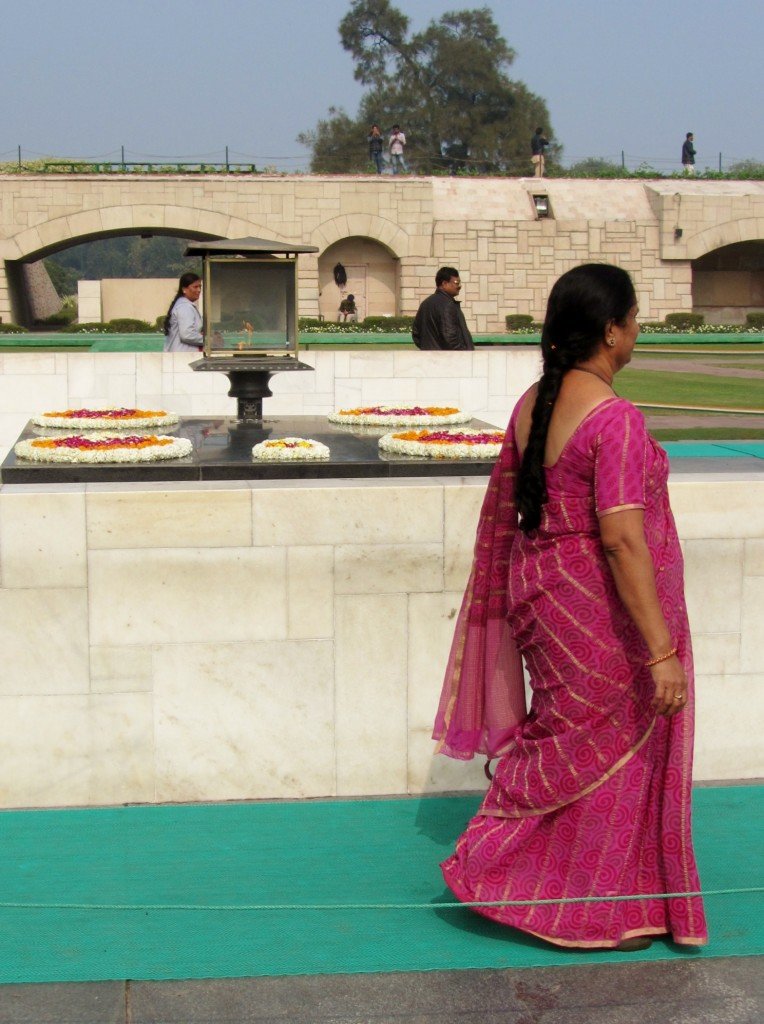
point(337, 144)
point(123, 256)
point(753, 169)
point(448, 88)
point(595, 167)
point(63, 279)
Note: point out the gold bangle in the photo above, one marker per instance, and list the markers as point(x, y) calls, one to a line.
point(662, 657)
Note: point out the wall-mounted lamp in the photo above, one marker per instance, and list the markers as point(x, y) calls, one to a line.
point(677, 234)
point(541, 204)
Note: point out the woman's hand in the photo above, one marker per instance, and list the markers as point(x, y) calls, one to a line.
point(670, 687)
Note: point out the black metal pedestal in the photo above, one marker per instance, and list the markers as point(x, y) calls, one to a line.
point(250, 379)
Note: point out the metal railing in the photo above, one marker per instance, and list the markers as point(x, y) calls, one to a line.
point(145, 167)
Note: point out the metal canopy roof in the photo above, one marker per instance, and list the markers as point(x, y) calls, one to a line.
point(244, 247)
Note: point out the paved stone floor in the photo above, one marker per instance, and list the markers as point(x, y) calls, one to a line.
point(723, 991)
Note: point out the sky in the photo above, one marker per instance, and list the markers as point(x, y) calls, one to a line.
point(183, 79)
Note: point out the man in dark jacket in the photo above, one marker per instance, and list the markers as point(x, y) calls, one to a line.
point(688, 153)
point(439, 322)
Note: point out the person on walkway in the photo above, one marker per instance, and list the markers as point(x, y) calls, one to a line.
point(376, 143)
point(183, 323)
point(538, 145)
point(578, 572)
point(688, 153)
point(439, 322)
point(396, 145)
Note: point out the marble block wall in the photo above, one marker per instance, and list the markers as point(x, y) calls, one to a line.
point(287, 639)
point(486, 383)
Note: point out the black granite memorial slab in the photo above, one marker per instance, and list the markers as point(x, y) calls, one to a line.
point(223, 451)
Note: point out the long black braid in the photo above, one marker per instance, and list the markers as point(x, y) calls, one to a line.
point(581, 304)
point(185, 280)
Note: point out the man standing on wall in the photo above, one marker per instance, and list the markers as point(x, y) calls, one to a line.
point(375, 140)
point(396, 144)
point(538, 145)
point(688, 154)
point(439, 322)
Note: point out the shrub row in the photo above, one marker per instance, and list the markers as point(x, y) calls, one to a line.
point(517, 323)
point(522, 323)
point(371, 324)
point(121, 325)
point(61, 319)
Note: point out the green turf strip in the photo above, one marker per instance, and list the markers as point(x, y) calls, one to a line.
point(714, 450)
point(687, 388)
point(128, 862)
point(63, 341)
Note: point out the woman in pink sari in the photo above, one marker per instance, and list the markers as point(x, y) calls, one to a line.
point(578, 570)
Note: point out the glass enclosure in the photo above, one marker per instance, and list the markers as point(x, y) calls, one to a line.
point(250, 305)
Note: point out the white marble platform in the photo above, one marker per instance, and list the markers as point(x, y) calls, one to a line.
point(283, 640)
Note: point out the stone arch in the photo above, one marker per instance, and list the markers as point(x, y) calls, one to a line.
point(89, 225)
point(728, 282)
point(362, 225)
point(746, 229)
point(372, 277)
point(51, 236)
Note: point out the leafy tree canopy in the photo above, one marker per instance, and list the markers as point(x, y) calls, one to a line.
point(446, 86)
point(747, 169)
point(595, 167)
point(124, 256)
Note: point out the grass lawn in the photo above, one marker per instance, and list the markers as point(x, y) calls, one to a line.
point(752, 360)
point(707, 433)
point(690, 389)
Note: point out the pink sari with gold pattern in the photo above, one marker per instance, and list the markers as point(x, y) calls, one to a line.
point(591, 795)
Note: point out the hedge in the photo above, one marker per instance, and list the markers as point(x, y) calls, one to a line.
point(515, 321)
point(389, 323)
point(92, 328)
point(60, 319)
point(127, 325)
point(685, 321)
point(371, 325)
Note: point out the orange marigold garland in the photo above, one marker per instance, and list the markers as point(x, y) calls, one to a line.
point(290, 449)
point(122, 418)
point(103, 447)
point(444, 444)
point(399, 416)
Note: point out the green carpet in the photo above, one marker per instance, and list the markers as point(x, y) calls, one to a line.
point(178, 892)
point(714, 449)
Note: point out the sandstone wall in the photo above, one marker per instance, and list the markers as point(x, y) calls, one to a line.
point(487, 227)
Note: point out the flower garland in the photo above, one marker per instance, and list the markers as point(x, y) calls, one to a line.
point(106, 419)
point(392, 416)
point(290, 449)
point(444, 444)
point(104, 447)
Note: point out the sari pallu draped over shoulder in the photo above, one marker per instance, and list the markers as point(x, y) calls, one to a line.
point(483, 696)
